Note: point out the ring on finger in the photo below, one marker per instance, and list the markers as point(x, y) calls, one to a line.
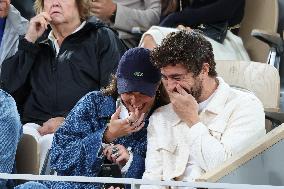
point(116, 155)
point(114, 150)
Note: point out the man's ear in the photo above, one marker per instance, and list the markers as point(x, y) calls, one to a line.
point(205, 68)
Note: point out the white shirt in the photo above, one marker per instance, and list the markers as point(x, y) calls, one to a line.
point(202, 105)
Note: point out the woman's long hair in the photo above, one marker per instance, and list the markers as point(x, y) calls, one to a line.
point(111, 89)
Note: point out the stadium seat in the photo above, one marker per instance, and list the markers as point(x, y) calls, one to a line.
point(261, 164)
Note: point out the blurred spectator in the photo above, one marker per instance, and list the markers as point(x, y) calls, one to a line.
point(11, 129)
point(11, 26)
point(231, 49)
point(218, 20)
point(207, 121)
point(25, 7)
point(192, 13)
point(47, 77)
point(129, 18)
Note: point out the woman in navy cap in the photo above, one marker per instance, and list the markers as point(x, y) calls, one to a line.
point(96, 130)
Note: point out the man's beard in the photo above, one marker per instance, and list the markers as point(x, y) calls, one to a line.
point(195, 90)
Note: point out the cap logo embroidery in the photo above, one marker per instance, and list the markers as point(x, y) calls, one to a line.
point(138, 74)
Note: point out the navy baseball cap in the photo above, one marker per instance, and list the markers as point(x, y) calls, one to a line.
point(136, 73)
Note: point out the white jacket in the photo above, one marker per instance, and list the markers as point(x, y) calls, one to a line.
point(231, 122)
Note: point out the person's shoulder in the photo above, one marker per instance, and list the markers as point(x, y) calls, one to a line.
point(164, 109)
point(96, 24)
point(165, 113)
point(96, 97)
point(17, 20)
point(236, 93)
point(163, 120)
point(4, 96)
point(94, 103)
point(6, 100)
point(243, 95)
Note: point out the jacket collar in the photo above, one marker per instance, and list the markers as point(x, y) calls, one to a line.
point(215, 106)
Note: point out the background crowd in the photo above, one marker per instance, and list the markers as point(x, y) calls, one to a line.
point(73, 76)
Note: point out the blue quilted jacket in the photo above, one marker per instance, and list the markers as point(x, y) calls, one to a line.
point(76, 148)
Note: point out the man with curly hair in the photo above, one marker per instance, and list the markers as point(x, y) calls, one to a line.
point(206, 122)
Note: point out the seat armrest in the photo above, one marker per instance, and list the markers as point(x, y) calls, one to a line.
point(28, 155)
point(272, 39)
point(275, 117)
point(240, 159)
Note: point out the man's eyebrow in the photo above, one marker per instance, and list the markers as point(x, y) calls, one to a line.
point(173, 75)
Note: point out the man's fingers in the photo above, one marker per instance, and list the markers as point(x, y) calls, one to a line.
point(173, 95)
point(181, 90)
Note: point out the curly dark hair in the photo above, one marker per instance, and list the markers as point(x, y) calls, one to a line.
point(188, 48)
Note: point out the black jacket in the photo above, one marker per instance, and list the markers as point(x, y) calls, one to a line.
point(196, 12)
point(45, 85)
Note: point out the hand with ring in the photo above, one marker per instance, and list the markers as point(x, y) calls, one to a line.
point(121, 127)
point(117, 154)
